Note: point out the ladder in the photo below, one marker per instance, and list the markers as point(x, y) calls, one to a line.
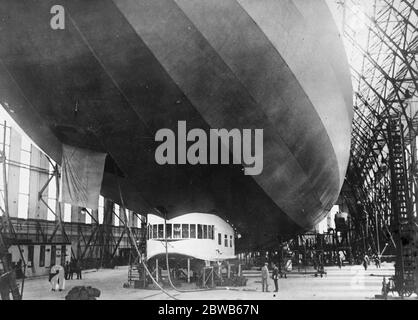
point(136, 272)
point(133, 274)
point(402, 224)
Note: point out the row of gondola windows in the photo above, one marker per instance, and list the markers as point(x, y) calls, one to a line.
point(181, 231)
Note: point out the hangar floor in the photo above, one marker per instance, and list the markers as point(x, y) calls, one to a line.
point(350, 282)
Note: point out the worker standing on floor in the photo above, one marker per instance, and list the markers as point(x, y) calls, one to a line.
point(67, 270)
point(53, 278)
point(57, 278)
point(61, 278)
point(377, 261)
point(365, 261)
point(340, 258)
point(79, 268)
point(264, 277)
point(275, 277)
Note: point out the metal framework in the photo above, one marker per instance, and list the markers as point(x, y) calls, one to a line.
point(97, 243)
point(381, 191)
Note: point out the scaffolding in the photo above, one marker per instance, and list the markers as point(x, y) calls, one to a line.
point(96, 244)
point(381, 37)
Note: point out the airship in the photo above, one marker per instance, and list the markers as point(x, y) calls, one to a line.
point(112, 73)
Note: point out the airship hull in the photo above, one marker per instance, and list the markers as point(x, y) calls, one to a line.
point(121, 70)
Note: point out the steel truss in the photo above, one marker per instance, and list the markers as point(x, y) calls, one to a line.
point(381, 37)
point(97, 243)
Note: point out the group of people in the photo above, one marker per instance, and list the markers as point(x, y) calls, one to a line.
point(366, 261)
point(73, 267)
point(276, 272)
point(265, 275)
point(58, 274)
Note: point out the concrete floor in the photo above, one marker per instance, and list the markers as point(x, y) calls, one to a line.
point(350, 282)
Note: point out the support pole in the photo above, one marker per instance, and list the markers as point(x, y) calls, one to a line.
point(188, 270)
point(6, 195)
point(8, 229)
point(377, 235)
point(156, 270)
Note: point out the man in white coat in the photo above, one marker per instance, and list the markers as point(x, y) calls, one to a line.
point(264, 278)
point(57, 278)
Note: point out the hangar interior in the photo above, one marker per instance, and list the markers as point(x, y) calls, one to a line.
point(375, 213)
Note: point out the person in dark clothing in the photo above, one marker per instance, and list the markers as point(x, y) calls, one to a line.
point(72, 269)
point(78, 269)
point(275, 276)
point(377, 261)
point(320, 265)
point(67, 270)
point(19, 270)
point(339, 260)
point(365, 261)
point(280, 269)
